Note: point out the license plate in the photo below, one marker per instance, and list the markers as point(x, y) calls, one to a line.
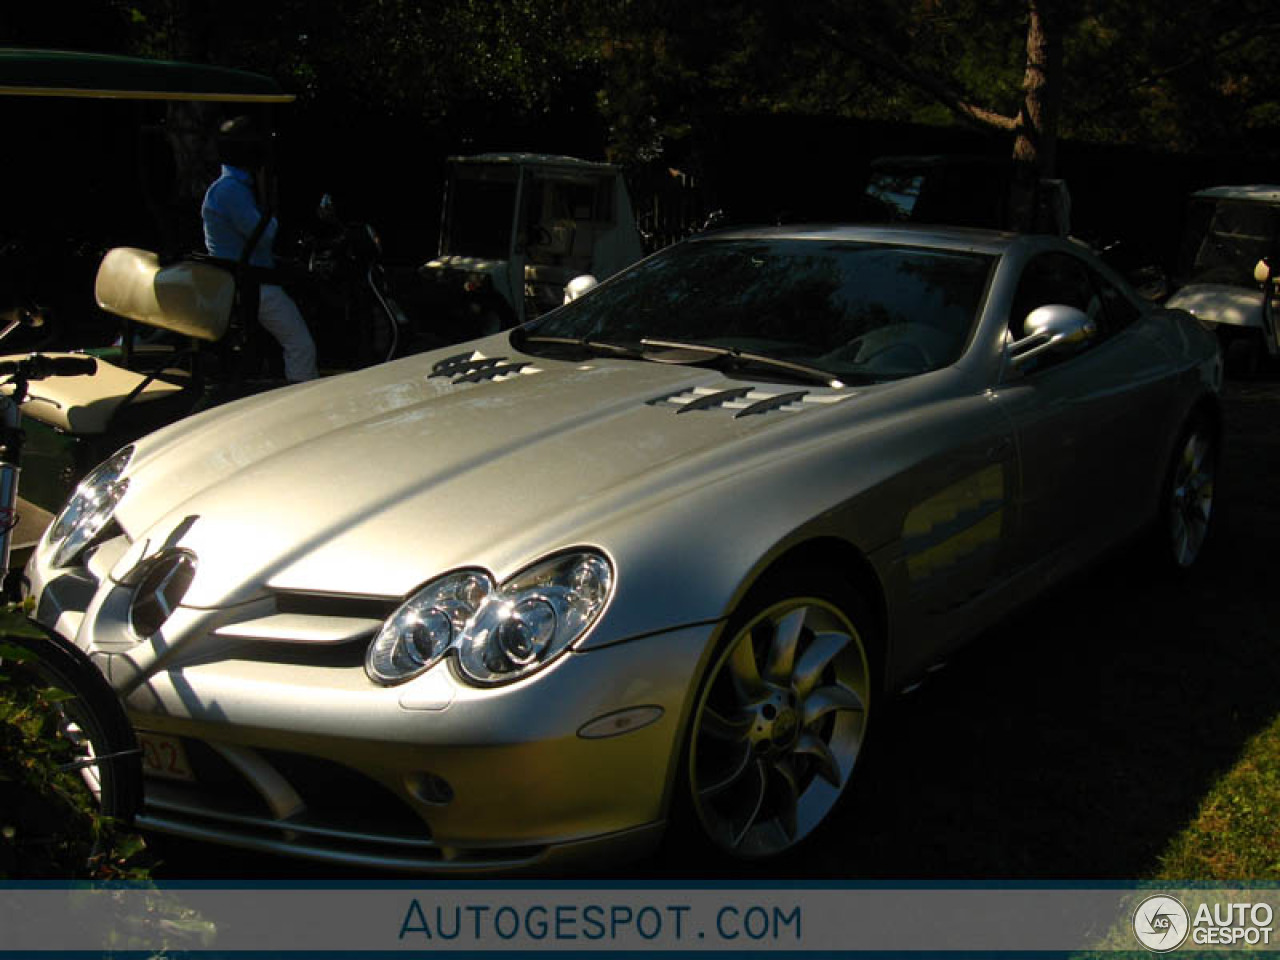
point(164, 756)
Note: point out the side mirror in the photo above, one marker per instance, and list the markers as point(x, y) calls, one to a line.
point(1052, 327)
point(578, 286)
point(1262, 271)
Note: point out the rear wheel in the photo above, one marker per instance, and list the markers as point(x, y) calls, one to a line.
point(781, 720)
point(1186, 509)
point(1242, 354)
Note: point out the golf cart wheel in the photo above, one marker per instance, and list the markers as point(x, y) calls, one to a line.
point(103, 752)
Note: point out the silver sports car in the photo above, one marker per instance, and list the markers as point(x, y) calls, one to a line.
point(656, 557)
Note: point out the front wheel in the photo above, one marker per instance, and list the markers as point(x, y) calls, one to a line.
point(781, 720)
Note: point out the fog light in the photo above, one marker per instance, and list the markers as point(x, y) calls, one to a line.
point(429, 788)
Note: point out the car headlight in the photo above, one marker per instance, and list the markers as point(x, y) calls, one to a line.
point(89, 509)
point(498, 633)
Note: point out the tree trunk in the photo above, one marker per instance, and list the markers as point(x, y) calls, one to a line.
point(1036, 133)
point(188, 129)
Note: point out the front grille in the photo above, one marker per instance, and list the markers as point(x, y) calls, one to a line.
point(348, 818)
point(338, 801)
point(335, 605)
point(218, 783)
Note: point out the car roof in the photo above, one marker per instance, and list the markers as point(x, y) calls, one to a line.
point(1258, 192)
point(912, 235)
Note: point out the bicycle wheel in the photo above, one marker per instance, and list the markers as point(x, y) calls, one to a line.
point(86, 714)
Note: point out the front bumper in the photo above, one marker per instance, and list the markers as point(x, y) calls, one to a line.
point(295, 751)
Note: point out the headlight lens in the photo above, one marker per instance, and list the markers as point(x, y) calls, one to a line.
point(500, 634)
point(89, 509)
point(423, 629)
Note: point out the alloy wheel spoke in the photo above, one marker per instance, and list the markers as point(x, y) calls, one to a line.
point(826, 699)
point(756, 806)
point(743, 669)
point(725, 728)
point(789, 798)
point(809, 668)
point(729, 779)
point(1197, 448)
point(782, 649)
point(811, 745)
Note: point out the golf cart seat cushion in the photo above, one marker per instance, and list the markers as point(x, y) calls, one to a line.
point(192, 298)
point(85, 405)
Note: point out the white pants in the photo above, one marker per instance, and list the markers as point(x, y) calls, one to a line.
point(280, 316)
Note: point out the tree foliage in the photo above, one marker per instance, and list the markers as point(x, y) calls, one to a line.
point(1181, 76)
point(1185, 76)
point(461, 61)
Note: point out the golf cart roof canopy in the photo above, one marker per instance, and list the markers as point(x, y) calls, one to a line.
point(62, 73)
point(1258, 193)
point(546, 161)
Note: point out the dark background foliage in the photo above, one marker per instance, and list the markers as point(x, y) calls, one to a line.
point(770, 109)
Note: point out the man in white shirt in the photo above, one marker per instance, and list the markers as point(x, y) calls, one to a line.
point(232, 220)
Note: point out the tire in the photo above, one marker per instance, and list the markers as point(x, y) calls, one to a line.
point(89, 716)
point(1185, 516)
point(1242, 356)
point(780, 722)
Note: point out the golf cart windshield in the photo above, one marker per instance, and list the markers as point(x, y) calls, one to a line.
point(482, 202)
point(1225, 239)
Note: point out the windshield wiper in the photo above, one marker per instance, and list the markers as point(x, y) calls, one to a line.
point(584, 343)
point(739, 358)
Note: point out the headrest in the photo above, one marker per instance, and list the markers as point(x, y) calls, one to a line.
point(192, 298)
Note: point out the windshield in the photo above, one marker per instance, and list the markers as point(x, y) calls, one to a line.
point(858, 310)
point(1225, 239)
point(481, 211)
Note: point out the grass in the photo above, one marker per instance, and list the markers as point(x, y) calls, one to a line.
point(1233, 836)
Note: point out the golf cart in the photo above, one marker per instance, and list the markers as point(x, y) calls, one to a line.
point(517, 227)
point(1228, 250)
point(199, 306)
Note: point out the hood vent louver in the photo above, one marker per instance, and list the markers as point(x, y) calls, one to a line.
point(744, 401)
point(472, 368)
point(717, 399)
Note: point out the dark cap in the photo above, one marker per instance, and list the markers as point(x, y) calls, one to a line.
point(241, 143)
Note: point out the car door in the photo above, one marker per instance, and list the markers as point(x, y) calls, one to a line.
point(1086, 419)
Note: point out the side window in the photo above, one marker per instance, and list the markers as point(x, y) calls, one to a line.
point(1118, 310)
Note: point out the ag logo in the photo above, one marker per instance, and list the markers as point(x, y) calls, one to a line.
point(1161, 923)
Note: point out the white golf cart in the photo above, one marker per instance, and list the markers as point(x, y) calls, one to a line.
point(517, 227)
point(1229, 247)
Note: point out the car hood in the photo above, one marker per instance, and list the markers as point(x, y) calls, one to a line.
point(374, 482)
point(1220, 303)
